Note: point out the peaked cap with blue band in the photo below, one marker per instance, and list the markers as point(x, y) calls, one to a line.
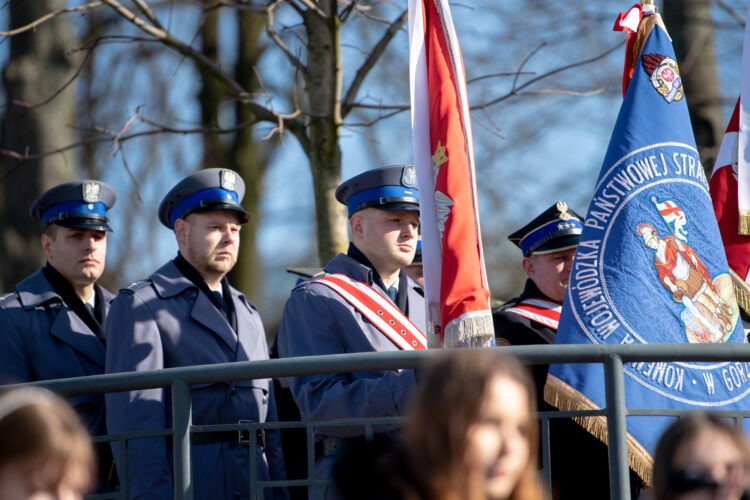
point(76, 204)
point(387, 188)
point(206, 190)
point(556, 229)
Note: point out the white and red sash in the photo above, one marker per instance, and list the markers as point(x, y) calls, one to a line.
point(542, 311)
point(378, 310)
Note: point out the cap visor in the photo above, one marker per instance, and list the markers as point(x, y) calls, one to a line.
point(398, 206)
point(558, 245)
point(86, 224)
point(213, 207)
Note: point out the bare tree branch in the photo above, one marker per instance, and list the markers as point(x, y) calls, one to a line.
point(271, 31)
point(498, 75)
point(143, 7)
point(579, 93)
point(738, 16)
point(370, 61)
point(515, 89)
point(78, 71)
point(49, 16)
point(262, 112)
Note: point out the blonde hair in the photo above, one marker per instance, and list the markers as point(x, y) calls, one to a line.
point(451, 390)
point(43, 437)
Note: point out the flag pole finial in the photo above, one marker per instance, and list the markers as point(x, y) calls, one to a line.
point(648, 2)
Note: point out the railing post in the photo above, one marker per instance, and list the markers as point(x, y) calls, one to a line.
point(182, 419)
point(546, 466)
point(614, 384)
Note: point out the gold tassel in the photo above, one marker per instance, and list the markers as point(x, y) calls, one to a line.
point(471, 329)
point(743, 227)
point(741, 291)
point(563, 397)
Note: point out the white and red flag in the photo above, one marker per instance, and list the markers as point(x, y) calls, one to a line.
point(456, 288)
point(730, 180)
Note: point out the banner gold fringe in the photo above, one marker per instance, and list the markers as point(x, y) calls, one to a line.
point(741, 291)
point(565, 398)
point(471, 329)
point(744, 223)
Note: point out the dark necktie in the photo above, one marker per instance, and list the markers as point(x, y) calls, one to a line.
point(392, 293)
point(219, 302)
point(90, 309)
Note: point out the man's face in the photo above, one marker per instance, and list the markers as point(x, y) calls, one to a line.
point(77, 254)
point(550, 272)
point(210, 241)
point(387, 237)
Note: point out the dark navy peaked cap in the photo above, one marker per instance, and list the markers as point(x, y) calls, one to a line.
point(206, 190)
point(386, 188)
point(77, 204)
point(557, 228)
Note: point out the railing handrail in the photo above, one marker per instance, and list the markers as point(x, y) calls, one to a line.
point(374, 361)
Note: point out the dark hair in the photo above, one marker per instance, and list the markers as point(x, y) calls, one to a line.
point(451, 389)
point(682, 432)
point(42, 432)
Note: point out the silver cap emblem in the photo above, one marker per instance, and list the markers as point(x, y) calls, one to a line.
point(92, 192)
point(409, 177)
point(228, 180)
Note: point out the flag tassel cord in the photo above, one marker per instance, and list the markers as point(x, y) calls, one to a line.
point(565, 398)
point(741, 291)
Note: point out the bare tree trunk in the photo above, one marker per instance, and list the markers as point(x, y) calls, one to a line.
point(37, 68)
point(692, 31)
point(240, 152)
point(249, 156)
point(323, 83)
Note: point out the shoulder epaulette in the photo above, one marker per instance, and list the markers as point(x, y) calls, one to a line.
point(7, 297)
point(133, 287)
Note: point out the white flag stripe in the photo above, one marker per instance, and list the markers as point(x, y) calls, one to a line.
point(726, 152)
point(743, 149)
point(420, 118)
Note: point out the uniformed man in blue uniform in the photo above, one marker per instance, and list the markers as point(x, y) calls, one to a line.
point(53, 323)
point(186, 313)
point(383, 209)
point(549, 244)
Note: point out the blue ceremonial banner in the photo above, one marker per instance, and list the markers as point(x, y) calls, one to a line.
point(650, 266)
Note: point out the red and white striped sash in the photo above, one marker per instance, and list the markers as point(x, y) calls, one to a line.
point(378, 310)
point(542, 311)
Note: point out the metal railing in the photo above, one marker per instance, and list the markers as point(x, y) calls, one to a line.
point(179, 380)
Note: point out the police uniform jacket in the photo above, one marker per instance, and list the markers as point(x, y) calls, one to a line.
point(42, 338)
point(318, 321)
point(514, 329)
point(165, 322)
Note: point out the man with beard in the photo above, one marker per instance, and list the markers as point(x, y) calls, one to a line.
point(53, 323)
point(363, 302)
point(186, 313)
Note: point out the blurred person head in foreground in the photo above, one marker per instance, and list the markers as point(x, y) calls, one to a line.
point(472, 433)
point(45, 452)
point(701, 457)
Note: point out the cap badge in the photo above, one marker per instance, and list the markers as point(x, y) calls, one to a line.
point(92, 192)
point(228, 180)
point(409, 177)
point(562, 207)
